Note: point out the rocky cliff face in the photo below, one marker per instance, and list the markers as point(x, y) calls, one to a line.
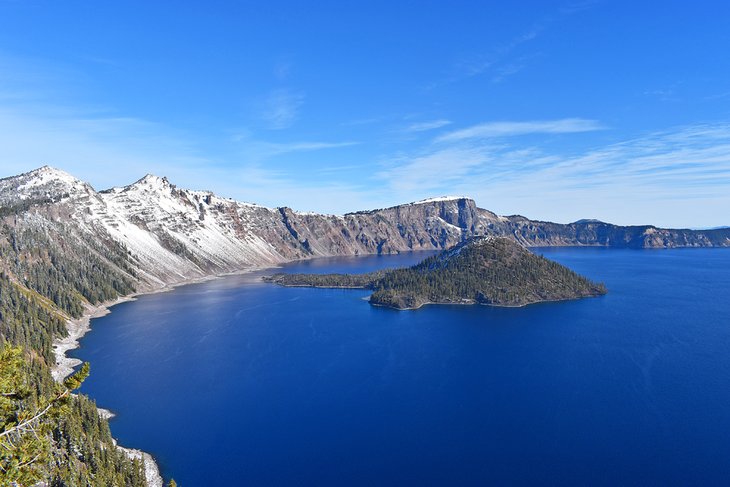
point(155, 233)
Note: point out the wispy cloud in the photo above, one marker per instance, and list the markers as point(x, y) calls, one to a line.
point(579, 6)
point(39, 127)
point(506, 71)
point(256, 150)
point(510, 129)
point(503, 60)
point(265, 185)
point(481, 63)
point(671, 92)
point(102, 150)
point(108, 151)
point(661, 93)
point(310, 146)
point(718, 96)
point(425, 126)
point(42, 122)
point(281, 108)
point(265, 150)
point(677, 177)
point(282, 70)
point(432, 170)
point(366, 121)
point(510, 68)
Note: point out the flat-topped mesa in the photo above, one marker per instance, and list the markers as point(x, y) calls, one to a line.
point(483, 270)
point(430, 224)
point(585, 221)
point(438, 199)
point(462, 200)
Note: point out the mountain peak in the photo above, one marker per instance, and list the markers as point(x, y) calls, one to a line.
point(153, 178)
point(43, 183)
point(49, 172)
point(151, 181)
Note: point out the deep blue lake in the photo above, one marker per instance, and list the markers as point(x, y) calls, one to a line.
point(239, 382)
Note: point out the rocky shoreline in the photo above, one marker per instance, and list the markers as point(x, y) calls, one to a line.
point(79, 327)
point(151, 469)
point(64, 367)
point(76, 330)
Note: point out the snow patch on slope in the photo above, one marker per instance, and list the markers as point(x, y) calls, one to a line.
point(439, 199)
point(175, 234)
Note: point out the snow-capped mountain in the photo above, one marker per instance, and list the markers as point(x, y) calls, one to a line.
point(156, 233)
point(171, 234)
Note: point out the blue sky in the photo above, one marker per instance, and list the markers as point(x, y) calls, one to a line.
point(555, 110)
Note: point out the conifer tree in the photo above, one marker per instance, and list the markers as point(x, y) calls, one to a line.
point(27, 419)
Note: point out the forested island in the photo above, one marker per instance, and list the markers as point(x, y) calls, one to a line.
point(482, 270)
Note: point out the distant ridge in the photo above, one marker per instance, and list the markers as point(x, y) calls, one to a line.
point(170, 234)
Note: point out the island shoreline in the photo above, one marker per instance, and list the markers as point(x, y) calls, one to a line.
point(471, 302)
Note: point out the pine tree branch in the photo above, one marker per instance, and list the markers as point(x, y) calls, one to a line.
point(22, 425)
point(28, 462)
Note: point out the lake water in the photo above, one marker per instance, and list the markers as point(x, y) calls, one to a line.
point(238, 382)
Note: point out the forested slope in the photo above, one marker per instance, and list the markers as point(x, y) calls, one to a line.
point(48, 435)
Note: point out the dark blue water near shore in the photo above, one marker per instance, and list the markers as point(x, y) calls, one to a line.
point(236, 382)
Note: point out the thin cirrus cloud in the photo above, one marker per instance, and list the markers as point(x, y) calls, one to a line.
point(500, 59)
point(427, 171)
point(309, 146)
point(426, 126)
point(263, 150)
point(675, 177)
point(105, 151)
point(511, 129)
point(281, 108)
